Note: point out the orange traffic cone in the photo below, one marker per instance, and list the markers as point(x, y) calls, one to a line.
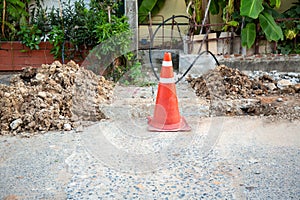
point(166, 113)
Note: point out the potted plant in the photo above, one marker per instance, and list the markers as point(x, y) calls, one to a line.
point(20, 44)
point(14, 13)
point(65, 33)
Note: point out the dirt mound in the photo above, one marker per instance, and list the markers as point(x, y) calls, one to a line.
point(52, 97)
point(232, 92)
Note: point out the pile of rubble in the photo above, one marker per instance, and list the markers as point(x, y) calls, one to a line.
point(232, 92)
point(52, 97)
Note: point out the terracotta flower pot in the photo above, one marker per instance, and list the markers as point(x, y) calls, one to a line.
point(14, 55)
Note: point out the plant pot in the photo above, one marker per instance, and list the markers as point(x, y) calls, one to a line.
point(14, 56)
point(193, 46)
point(228, 44)
point(266, 47)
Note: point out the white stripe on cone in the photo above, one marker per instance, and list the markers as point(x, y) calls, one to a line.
point(167, 80)
point(167, 64)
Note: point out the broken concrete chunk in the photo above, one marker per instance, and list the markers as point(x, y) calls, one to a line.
point(46, 98)
point(15, 124)
point(270, 86)
point(39, 76)
point(42, 94)
point(283, 84)
point(67, 127)
point(297, 87)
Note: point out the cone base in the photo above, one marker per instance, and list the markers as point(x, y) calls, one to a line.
point(182, 126)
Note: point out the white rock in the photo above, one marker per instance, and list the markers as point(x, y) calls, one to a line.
point(273, 72)
point(52, 68)
point(293, 74)
point(283, 84)
point(15, 124)
point(270, 86)
point(280, 99)
point(23, 90)
point(42, 94)
point(39, 76)
point(67, 127)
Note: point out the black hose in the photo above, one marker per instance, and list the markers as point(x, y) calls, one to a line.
point(152, 38)
point(190, 67)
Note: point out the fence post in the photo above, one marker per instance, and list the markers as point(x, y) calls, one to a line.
point(131, 11)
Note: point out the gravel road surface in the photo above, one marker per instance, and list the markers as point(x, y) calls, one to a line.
point(221, 158)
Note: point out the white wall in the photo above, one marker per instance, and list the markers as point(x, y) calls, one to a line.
point(170, 8)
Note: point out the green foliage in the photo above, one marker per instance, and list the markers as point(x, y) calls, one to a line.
point(249, 35)
point(229, 13)
point(264, 12)
point(216, 6)
point(251, 12)
point(251, 8)
point(39, 17)
point(230, 24)
point(275, 3)
point(294, 11)
point(114, 38)
point(135, 76)
point(76, 27)
point(272, 31)
point(115, 35)
point(291, 29)
point(228, 10)
point(146, 6)
point(136, 73)
point(12, 12)
point(287, 47)
point(57, 38)
point(30, 36)
point(198, 11)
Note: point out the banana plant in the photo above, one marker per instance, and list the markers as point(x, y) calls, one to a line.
point(253, 12)
point(264, 12)
point(229, 10)
point(194, 10)
point(227, 16)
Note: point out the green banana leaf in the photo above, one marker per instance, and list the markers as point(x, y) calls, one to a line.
point(251, 8)
point(152, 6)
point(272, 31)
point(157, 7)
point(214, 7)
point(249, 35)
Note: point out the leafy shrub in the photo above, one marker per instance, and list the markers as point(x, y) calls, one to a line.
point(291, 29)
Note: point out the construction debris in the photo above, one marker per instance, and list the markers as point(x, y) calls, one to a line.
point(232, 92)
point(52, 97)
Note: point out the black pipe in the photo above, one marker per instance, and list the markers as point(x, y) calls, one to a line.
point(190, 67)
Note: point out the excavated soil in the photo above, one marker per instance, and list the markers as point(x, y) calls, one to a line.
point(232, 92)
point(52, 97)
point(62, 96)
